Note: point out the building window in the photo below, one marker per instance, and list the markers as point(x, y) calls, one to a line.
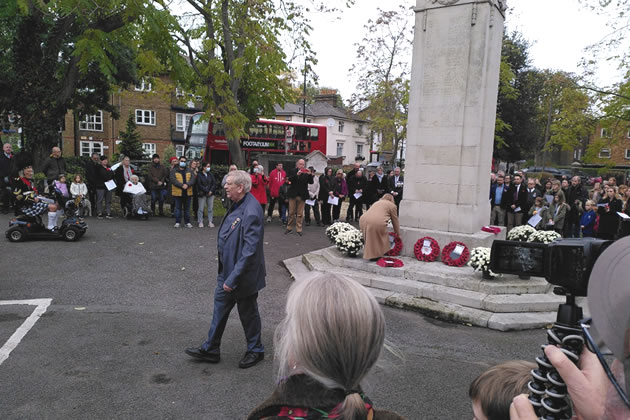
point(339, 149)
point(92, 122)
point(341, 123)
point(89, 147)
point(359, 150)
point(605, 133)
point(143, 86)
point(145, 117)
point(577, 154)
point(179, 150)
point(627, 153)
point(179, 92)
point(149, 149)
point(604, 153)
point(308, 120)
point(182, 121)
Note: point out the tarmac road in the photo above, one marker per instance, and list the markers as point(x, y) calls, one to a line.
point(131, 295)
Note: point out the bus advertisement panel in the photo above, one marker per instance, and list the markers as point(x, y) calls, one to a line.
point(207, 141)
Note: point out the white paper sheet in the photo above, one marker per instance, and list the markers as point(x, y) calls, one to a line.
point(333, 200)
point(134, 189)
point(310, 202)
point(111, 185)
point(624, 216)
point(549, 198)
point(534, 220)
point(358, 195)
point(517, 210)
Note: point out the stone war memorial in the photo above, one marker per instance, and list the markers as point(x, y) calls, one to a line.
point(452, 111)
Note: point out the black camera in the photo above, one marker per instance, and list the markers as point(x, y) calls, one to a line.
point(565, 262)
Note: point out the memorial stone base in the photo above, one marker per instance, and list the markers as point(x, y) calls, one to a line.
point(455, 294)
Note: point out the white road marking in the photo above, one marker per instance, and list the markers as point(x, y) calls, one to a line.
point(18, 335)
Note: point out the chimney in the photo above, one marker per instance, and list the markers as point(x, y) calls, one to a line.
point(328, 96)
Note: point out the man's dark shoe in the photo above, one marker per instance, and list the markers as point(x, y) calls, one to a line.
point(299, 233)
point(286, 232)
point(204, 355)
point(251, 359)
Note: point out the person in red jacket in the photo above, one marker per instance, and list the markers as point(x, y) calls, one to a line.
point(259, 186)
point(276, 179)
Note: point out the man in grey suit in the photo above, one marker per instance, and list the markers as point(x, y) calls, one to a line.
point(241, 273)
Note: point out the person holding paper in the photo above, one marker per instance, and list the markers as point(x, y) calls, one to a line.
point(517, 200)
point(537, 213)
point(607, 209)
point(356, 188)
point(349, 177)
point(311, 203)
point(259, 185)
point(340, 190)
point(325, 190)
point(373, 225)
point(104, 175)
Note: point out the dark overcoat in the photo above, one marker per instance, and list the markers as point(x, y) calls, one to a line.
point(240, 248)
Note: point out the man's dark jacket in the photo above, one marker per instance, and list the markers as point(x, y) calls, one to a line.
point(53, 167)
point(299, 184)
point(504, 200)
point(240, 248)
point(6, 165)
point(355, 183)
point(205, 183)
point(519, 201)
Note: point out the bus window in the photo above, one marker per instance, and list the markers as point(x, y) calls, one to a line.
point(301, 133)
point(258, 131)
point(277, 131)
point(314, 131)
point(218, 129)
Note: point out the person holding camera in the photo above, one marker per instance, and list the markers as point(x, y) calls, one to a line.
point(596, 390)
point(299, 179)
point(259, 185)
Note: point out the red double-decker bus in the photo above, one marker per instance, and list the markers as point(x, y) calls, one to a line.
point(207, 141)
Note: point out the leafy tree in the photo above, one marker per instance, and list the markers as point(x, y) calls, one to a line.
point(382, 66)
point(58, 55)
point(131, 145)
point(517, 127)
point(565, 112)
point(238, 64)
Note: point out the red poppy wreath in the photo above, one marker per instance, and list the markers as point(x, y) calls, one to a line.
point(389, 262)
point(426, 249)
point(395, 251)
point(455, 254)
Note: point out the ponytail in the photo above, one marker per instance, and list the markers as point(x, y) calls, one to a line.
point(354, 407)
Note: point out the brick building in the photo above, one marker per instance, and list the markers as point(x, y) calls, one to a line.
point(161, 113)
point(615, 144)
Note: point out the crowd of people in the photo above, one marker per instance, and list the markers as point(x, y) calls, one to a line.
point(565, 206)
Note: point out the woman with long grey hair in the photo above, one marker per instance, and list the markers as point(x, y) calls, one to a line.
point(330, 338)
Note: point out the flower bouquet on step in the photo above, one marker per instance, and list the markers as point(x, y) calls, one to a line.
point(336, 228)
point(350, 242)
point(544, 236)
point(480, 260)
point(520, 233)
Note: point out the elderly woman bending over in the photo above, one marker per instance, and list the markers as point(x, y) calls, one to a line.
point(373, 224)
point(331, 336)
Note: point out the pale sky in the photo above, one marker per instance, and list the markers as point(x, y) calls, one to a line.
point(558, 30)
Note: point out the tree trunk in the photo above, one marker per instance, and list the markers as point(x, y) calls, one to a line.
point(236, 152)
